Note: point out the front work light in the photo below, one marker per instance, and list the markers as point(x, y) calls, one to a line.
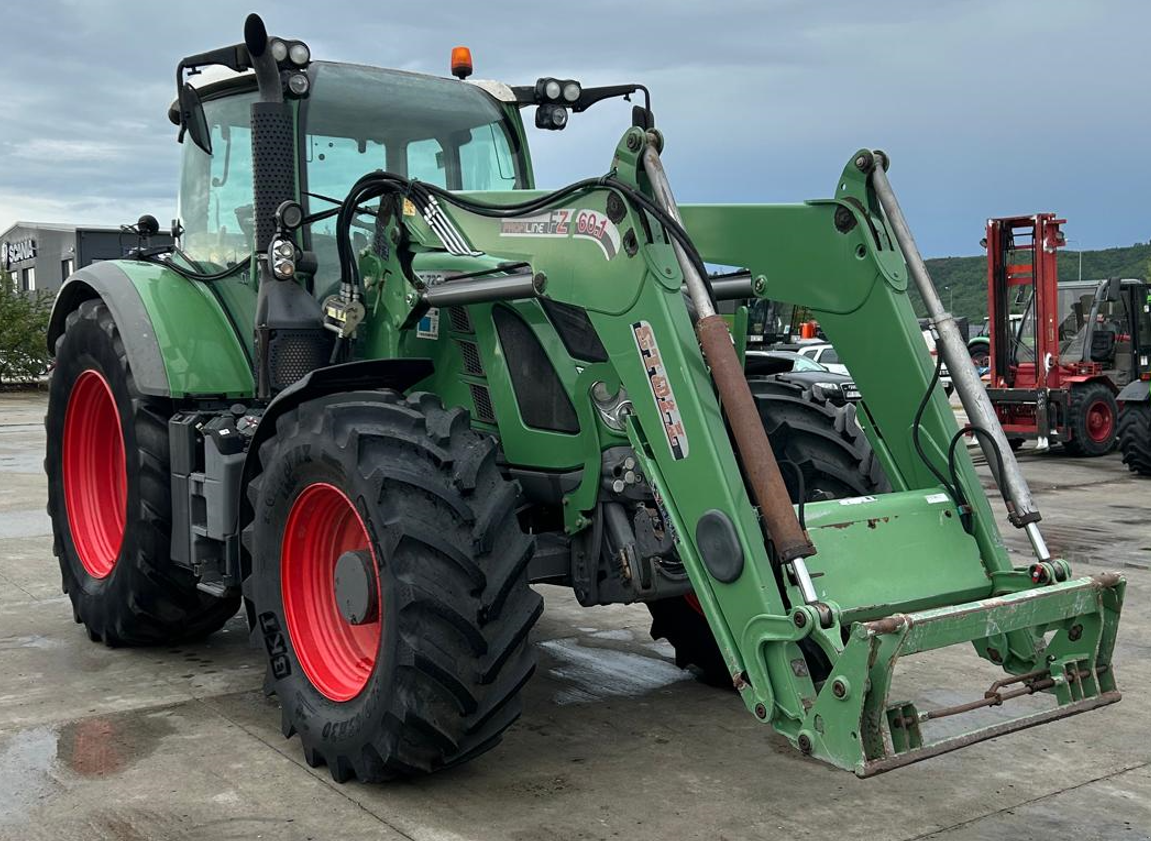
point(551, 117)
point(299, 54)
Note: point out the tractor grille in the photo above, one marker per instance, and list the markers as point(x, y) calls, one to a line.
point(483, 403)
point(293, 354)
point(471, 354)
point(543, 402)
point(461, 321)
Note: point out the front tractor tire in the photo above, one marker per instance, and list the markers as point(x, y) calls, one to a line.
point(827, 445)
point(389, 584)
point(1092, 418)
point(1135, 437)
point(109, 495)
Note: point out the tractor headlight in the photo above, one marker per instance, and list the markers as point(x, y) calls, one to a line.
point(279, 50)
point(552, 89)
point(282, 256)
point(827, 391)
point(298, 84)
point(572, 91)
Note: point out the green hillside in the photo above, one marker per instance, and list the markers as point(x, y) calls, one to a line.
point(963, 280)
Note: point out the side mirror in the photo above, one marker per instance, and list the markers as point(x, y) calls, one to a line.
point(192, 119)
point(1114, 289)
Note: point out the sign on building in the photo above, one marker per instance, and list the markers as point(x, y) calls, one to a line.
point(20, 251)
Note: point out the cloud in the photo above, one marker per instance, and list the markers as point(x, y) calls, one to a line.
point(51, 150)
point(987, 108)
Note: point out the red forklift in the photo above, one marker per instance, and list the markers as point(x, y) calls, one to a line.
point(1059, 352)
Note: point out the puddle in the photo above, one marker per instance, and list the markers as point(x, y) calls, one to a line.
point(41, 761)
point(594, 673)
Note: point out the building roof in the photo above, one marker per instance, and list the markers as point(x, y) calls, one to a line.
point(55, 226)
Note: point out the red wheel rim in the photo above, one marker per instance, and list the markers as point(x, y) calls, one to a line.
point(693, 601)
point(1100, 421)
point(95, 479)
point(337, 656)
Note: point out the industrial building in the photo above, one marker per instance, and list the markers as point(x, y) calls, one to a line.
point(41, 255)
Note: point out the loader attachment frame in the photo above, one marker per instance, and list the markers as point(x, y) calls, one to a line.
point(866, 732)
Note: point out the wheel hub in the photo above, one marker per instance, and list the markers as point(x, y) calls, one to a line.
point(356, 589)
point(1100, 421)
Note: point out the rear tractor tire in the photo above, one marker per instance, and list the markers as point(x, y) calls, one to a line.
point(389, 584)
point(1092, 419)
point(109, 495)
point(1135, 437)
point(827, 445)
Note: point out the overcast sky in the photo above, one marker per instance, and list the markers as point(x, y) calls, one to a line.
point(986, 108)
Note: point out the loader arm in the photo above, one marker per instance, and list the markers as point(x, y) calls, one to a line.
point(936, 574)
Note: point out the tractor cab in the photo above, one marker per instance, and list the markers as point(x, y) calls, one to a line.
point(1106, 322)
point(355, 119)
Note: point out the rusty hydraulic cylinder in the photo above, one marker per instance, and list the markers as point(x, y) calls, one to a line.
point(751, 443)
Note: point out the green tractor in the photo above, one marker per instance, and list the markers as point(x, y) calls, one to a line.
point(385, 384)
point(1135, 410)
point(1135, 427)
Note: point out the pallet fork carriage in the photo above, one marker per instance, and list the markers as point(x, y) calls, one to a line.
point(412, 399)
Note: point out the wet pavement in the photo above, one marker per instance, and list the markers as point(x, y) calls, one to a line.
point(615, 742)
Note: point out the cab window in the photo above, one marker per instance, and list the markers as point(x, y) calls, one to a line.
point(215, 203)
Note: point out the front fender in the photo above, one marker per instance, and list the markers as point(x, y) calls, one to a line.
point(367, 374)
point(179, 339)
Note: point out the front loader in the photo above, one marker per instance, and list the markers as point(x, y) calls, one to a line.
point(385, 384)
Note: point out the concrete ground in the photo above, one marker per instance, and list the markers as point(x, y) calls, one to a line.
point(616, 742)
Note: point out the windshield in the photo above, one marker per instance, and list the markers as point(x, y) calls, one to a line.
point(802, 363)
point(441, 131)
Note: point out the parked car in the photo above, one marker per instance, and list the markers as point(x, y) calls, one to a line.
point(799, 369)
point(825, 354)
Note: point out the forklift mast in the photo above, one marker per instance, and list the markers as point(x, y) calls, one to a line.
point(1022, 264)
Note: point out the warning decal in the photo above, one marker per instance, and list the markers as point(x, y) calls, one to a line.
point(661, 389)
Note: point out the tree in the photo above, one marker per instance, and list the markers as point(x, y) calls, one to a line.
point(23, 332)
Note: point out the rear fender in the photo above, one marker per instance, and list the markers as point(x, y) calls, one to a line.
point(179, 339)
point(1080, 379)
point(1136, 391)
